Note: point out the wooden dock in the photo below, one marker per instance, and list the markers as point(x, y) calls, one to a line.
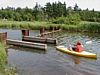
point(47, 33)
point(27, 44)
point(40, 40)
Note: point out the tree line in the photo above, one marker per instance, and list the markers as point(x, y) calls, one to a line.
point(55, 12)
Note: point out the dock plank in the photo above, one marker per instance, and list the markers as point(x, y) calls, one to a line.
point(26, 44)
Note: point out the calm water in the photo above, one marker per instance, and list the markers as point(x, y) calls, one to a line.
point(52, 62)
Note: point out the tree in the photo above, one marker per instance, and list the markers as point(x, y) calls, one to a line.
point(18, 9)
point(60, 9)
point(65, 10)
point(49, 10)
point(36, 11)
point(76, 8)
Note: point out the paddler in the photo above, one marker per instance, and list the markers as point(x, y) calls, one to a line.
point(78, 47)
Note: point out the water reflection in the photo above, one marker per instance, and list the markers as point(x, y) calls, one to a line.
point(37, 62)
point(76, 60)
point(39, 51)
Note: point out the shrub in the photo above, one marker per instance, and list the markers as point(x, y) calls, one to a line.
point(72, 19)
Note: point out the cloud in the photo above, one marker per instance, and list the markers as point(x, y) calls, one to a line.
point(5, 3)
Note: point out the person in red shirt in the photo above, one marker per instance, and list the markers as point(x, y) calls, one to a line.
point(79, 47)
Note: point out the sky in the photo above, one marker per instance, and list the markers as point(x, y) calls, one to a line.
point(83, 4)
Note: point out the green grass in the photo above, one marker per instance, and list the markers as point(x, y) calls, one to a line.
point(21, 25)
point(25, 25)
point(83, 27)
point(2, 55)
point(2, 58)
point(4, 68)
point(35, 25)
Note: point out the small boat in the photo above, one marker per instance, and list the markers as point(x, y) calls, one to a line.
point(81, 54)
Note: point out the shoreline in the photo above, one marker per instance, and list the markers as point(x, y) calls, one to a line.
point(36, 25)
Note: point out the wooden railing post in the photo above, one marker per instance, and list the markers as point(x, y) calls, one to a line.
point(25, 33)
point(42, 30)
point(53, 29)
point(3, 37)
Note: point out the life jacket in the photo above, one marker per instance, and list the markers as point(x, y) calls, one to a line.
point(79, 48)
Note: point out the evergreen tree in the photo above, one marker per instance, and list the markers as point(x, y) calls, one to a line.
point(76, 8)
point(49, 10)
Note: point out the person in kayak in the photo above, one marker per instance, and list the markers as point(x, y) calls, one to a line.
point(78, 47)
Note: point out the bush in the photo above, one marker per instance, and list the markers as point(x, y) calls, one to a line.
point(60, 20)
point(72, 19)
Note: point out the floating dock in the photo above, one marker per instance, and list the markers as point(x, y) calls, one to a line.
point(26, 44)
point(40, 39)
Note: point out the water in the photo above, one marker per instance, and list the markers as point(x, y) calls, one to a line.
point(52, 62)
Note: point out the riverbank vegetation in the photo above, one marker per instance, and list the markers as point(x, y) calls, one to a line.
point(52, 14)
point(4, 68)
point(83, 26)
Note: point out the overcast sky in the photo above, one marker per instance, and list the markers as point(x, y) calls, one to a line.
point(31, 3)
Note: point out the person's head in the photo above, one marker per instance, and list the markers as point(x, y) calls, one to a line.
point(78, 43)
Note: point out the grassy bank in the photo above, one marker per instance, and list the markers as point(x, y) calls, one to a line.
point(82, 27)
point(22, 24)
point(2, 55)
point(4, 68)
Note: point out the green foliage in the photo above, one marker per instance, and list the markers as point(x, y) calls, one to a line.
point(50, 11)
point(92, 16)
point(56, 13)
point(82, 26)
point(2, 55)
point(4, 69)
point(55, 10)
point(60, 20)
point(37, 12)
point(90, 26)
point(72, 19)
point(22, 24)
point(2, 58)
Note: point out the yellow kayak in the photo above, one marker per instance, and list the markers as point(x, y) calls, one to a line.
point(81, 54)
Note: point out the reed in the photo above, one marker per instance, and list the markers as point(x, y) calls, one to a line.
point(83, 27)
point(35, 25)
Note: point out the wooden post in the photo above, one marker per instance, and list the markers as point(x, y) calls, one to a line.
point(53, 29)
point(3, 37)
point(58, 27)
point(42, 30)
point(25, 33)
